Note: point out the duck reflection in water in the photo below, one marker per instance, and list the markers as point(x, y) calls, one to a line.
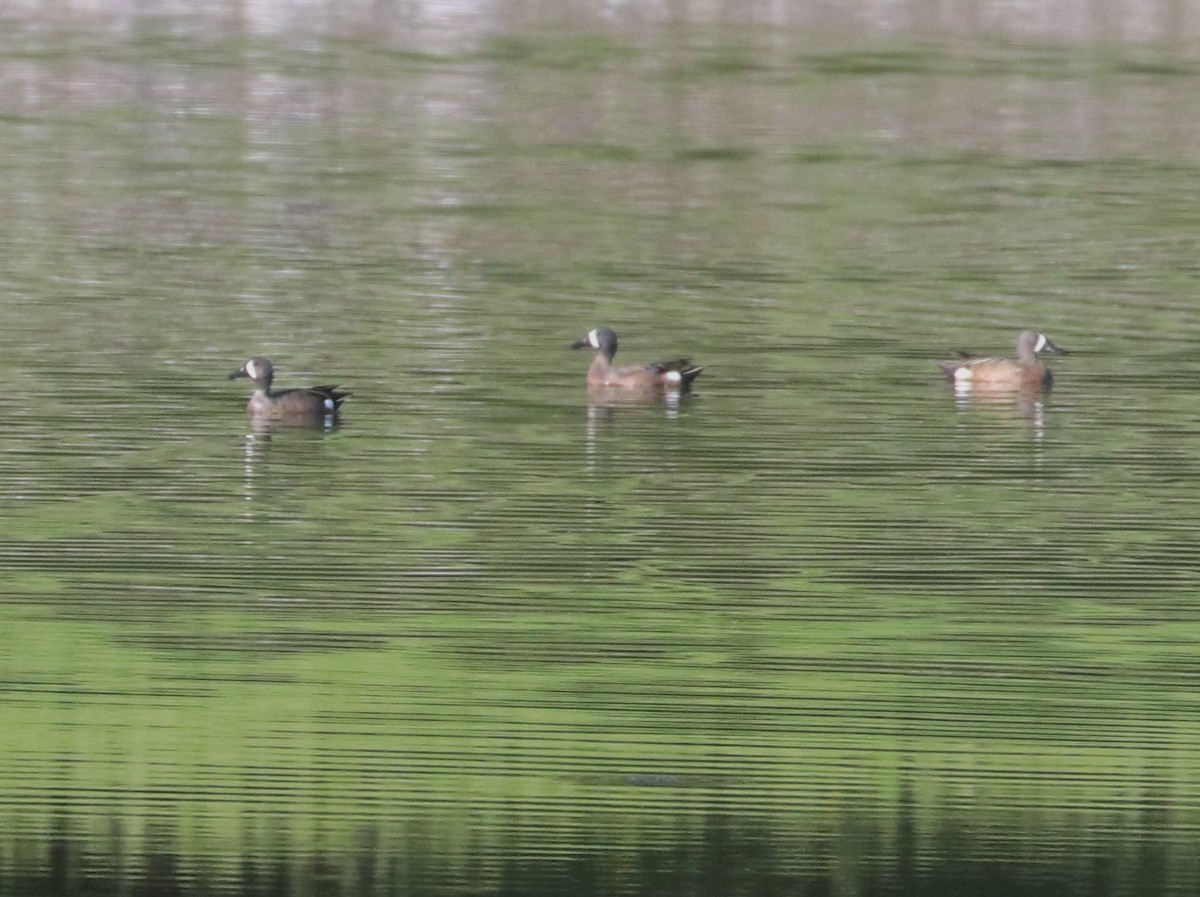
point(271, 455)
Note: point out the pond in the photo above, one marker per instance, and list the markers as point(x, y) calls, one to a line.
point(822, 626)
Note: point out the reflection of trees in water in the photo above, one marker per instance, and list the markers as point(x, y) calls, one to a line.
point(867, 849)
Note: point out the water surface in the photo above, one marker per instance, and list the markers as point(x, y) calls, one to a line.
point(822, 627)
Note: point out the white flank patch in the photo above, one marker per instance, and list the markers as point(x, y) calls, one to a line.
point(251, 370)
point(963, 374)
point(329, 404)
point(674, 376)
point(1041, 343)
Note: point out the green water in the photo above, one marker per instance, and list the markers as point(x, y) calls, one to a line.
point(823, 627)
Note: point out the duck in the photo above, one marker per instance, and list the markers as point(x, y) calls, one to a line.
point(674, 376)
point(313, 405)
point(1027, 371)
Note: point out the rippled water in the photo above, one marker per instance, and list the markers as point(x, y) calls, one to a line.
point(822, 627)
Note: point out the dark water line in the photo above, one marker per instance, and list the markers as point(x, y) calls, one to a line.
point(851, 850)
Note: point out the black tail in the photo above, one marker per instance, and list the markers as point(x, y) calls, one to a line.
point(332, 394)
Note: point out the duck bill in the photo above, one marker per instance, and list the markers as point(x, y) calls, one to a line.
point(239, 373)
point(581, 344)
point(1053, 349)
